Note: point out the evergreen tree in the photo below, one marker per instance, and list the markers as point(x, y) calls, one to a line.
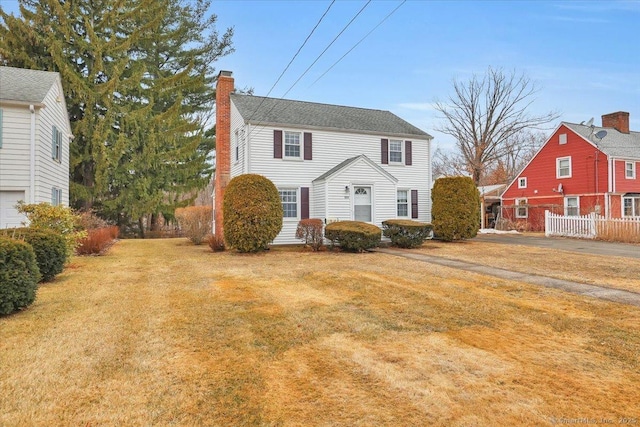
point(139, 84)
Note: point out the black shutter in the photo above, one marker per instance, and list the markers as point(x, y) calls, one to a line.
point(414, 204)
point(407, 153)
point(277, 144)
point(307, 146)
point(384, 151)
point(304, 202)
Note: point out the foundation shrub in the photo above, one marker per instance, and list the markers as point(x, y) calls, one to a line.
point(60, 219)
point(310, 231)
point(405, 233)
point(19, 275)
point(195, 222)
point(353, 236)
point(49, 248)
point(98, 240)
point(252, 213)
point(456, 208)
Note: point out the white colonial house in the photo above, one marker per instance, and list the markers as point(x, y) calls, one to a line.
point(330, 162)
point(34, 141)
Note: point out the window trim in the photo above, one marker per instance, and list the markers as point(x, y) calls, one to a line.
point(566, 205)
point(522, 182)
point(401, 151)
point(558, 160)
point(518, 207)
point(632, 200)
point(633, 170)
point(299, 145)
point(407, 203)
point(236, 147)
point(56, 196)
point(562, 139)
point(296, 193)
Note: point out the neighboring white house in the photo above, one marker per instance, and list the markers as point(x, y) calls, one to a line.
point(330, 162)
point(34, 141)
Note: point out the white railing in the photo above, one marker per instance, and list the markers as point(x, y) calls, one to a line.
point(592, 226)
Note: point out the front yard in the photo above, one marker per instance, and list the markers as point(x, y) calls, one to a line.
point(164, 333)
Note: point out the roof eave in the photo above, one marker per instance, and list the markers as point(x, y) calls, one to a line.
point(18, 103)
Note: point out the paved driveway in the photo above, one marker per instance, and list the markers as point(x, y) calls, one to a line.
point(585, 246)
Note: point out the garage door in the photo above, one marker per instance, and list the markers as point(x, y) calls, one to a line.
point(9, 216)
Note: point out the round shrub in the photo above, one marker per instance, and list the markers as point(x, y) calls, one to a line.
point(405, 233)
point(49, 247)
point(456, 208)
point(19, 275)
point(252, 213)
point(353, 236)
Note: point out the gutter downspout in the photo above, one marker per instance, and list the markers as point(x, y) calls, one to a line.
point(32, 157)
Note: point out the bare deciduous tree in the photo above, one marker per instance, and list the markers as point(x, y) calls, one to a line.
point(486, 117)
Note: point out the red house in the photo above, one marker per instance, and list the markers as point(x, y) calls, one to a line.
point(580, 169)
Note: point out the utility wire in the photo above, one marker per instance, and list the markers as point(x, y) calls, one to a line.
point(316, 60)
point(294, 57)
point(361, 40)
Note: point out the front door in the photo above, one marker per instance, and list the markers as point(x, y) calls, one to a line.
point(362, 204)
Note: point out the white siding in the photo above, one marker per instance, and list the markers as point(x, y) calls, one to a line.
point(237, 125)
point(50, 172)
point(14, 154)
point(330, 148)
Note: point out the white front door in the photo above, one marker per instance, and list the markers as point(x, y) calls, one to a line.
point(362, 204)
point(9, 216)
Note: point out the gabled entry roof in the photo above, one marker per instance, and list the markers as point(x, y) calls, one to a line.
point(349, 162)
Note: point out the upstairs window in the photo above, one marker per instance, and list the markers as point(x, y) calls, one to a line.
point(395, 151)
point(522, 182)
point(630, 170)
point(562, 139)
point(563, 167)
point(292, 145)
point(56, 144)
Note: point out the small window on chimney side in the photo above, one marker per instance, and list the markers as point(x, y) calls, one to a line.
point(563, 138)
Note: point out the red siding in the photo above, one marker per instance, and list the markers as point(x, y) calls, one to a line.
point(623, 184)
point(588, 176)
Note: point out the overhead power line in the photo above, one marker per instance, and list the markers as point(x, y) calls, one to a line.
point(361, 40)
point(294, 56)
point(316, 60)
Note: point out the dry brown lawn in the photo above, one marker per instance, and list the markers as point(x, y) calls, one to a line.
point(612, 272)
point(164, 333)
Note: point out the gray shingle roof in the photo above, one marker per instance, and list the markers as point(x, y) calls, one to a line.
point(614, 144)
point(274, 111)
point(20, 84)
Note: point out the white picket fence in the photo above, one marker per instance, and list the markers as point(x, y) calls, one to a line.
point(592, 226)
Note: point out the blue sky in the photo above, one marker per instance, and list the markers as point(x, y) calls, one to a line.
point(583, 55)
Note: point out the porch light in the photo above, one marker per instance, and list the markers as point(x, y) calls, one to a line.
point(346, 188)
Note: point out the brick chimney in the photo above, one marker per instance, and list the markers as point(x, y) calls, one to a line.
point(224, 87)
point(618, 120)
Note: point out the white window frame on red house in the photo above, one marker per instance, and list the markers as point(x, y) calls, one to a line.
point(562, 138)
point(558, 160)
point(522, 182)
point(630, 170)
point(631, 206)
point(522, 210)
point(569, 208)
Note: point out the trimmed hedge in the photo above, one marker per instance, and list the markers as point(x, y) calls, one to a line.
point(252, 213)
point(353, 236)
point(456, 208)
point(310, 230)
point(406, 233)
point(50, 249)
point(19, 275)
